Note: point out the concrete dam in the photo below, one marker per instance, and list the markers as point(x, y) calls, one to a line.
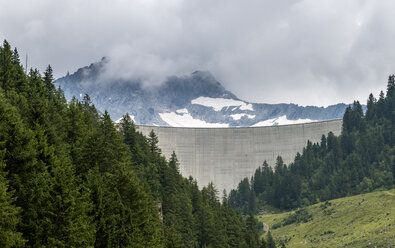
point(225, 156)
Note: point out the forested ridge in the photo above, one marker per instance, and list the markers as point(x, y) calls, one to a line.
point(360, 160)
point(70, 177)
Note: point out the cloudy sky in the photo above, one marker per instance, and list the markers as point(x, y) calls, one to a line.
point(307, 52)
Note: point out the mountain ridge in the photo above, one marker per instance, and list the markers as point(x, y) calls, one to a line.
point(195, 100)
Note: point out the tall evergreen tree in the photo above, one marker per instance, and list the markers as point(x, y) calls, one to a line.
point(252, 237)
point(9, 213)
point(48, 81)
point(270, 241)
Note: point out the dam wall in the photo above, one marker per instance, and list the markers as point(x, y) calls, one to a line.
point(225, 156)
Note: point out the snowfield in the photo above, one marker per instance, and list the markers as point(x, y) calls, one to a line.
point(237, 117)
point(282, 120)
point(219, 103)
point(182, 111)
point(182, 118)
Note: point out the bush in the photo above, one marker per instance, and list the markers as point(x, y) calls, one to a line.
point(300, 216)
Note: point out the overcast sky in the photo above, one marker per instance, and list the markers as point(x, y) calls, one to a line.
point(307, 52)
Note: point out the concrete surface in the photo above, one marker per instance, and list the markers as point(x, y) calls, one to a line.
point(227, 155)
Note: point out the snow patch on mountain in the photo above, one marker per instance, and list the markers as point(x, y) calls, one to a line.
point(182, 111)
point(239, 116)
point(282, 120)
point(182, 118)
point(219, 103)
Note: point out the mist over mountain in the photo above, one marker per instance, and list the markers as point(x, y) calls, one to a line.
point(195, 100)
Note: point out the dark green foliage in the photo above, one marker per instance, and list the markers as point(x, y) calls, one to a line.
point(252, 231)
point(263, 243)
point(70, 178)
point(9, 213)
point(126, 216)
point(48, 81)
point(270, 241)
point(360, 160)
point(192, 217)
point(300, 216)
point(48, 151)
point(353, 119)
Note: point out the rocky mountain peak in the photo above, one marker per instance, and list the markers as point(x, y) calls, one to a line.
point(195, 100)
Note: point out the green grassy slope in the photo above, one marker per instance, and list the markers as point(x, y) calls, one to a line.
point(366, 220)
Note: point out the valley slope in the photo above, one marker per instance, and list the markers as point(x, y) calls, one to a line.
point(365, 220)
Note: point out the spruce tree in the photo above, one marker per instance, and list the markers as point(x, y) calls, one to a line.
point(270, 241)
point(126, 216)
point(6, 67)
point(252, 237)
point(48, 81)
point(263, 243)
point(10, 214)
point(153, 142)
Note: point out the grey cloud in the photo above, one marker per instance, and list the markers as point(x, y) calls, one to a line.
point(303, 51)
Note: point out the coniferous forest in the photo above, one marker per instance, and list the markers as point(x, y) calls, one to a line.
point(70, 177)
point(360, 160)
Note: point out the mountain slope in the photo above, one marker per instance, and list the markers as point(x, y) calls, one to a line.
point(365, 220)
point(197, 100)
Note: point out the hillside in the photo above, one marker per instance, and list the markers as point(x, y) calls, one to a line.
point(195, 100)
point(360, 160)
point(70, 177)
point(366, 220)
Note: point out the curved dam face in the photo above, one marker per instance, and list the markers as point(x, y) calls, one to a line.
point(225, 156)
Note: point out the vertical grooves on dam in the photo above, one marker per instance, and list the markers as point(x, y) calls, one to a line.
point(227, 155)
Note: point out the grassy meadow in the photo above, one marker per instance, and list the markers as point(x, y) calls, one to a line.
point(366, 220)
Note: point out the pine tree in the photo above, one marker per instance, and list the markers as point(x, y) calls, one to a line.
point(108, 148)
point(126, 215)
point(177, 206)
point(153, 142)
point(270, 241)
point(371, 104)
point(48, 81)
point(20, 160)
point(9, 213)
point(173, 238)
point(72, 224)
point(6, 67)
point(263, 243)
point(252, 237)
point(128, 131)
point(391, 85)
